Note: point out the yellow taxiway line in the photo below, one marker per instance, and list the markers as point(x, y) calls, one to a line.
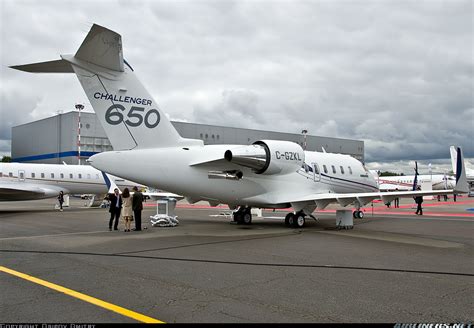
point(86, 298)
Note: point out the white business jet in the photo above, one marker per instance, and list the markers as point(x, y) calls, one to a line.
point(25, 181)
point(267, 174)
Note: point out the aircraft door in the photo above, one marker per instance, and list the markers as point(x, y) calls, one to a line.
point(316, 172)
point(21, 175)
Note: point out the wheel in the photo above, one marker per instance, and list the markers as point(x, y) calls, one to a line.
point(360, 215)
point(247, 217)
point(238, 217)
point(298, 221)
point(354, 214)
point(289, 218)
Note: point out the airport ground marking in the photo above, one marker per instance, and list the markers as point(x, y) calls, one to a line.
point(106, 305)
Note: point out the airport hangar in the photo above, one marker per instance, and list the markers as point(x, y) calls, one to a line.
point(54, 140)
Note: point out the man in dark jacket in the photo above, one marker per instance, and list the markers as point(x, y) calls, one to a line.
point(115, 208)
point(418, 201)
point(137, 206)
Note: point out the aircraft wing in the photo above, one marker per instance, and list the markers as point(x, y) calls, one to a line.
point(10, 191)
point(359, 199)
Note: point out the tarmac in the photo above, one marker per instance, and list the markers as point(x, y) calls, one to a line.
point(393, 266)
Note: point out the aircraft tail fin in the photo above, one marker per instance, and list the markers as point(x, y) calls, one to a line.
point(128, 113)
point(454, 156)
point(461, 180)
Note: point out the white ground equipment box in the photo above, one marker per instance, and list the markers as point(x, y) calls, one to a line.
point(165, 216)
point(344, 219)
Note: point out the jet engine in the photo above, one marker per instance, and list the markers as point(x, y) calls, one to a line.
point(268, 156)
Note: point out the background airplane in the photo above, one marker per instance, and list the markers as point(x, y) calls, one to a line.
point(405, 182)
point(266, 174)
point(25, 181)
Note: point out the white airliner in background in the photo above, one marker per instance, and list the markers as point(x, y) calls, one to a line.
point(266, 174)
point(25, 181)
point(405, 182)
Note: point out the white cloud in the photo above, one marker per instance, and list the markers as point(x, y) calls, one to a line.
point(399, 77)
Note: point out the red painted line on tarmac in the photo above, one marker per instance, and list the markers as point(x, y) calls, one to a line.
point(366, 210)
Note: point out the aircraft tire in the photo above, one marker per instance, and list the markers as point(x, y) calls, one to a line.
point(247, 217)
point(289, 218)
point(360, 215)
point(238, 217)
point(298, 220)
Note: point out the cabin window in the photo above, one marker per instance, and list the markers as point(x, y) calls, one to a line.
point(62, 175)
point(350, 170)
point(342, 169)
point(333, 169)
point(325, 169)
point(32, 175)
point(70, 175)
point(316, 168)
point(79, 176)
point(42, 175)
point(10, 174)
point(52, 175)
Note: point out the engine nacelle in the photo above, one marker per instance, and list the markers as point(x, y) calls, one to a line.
point(268, 156)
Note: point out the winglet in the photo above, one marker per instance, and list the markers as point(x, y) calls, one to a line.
point(110, 183)
point(461, 180)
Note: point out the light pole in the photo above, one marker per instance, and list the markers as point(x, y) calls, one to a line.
point(79, 107)
point(304, 132)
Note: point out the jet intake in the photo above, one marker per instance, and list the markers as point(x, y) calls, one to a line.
point(228, 175)
point(268, 157)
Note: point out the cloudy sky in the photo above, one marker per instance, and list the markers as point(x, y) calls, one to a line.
point(396, 74)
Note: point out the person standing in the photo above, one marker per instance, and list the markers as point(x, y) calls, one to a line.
point(418, 201)
point(397, 200)
point(127, 214)
point(137, 206)
point(61, 200)
point(114, 209)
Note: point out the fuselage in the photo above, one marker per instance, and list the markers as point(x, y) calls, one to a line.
point(49, 179)
point(174, 169)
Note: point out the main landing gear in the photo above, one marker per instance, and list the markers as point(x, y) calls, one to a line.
point(243, 215)
point(295, 220)
point(358, 214)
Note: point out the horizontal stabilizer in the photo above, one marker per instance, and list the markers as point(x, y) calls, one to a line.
point(54, 66)
point(102, 47)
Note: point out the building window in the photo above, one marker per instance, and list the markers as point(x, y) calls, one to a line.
point(325, 169)
point(342, 169)
point(70, 176)
point(333, 169)
point(62, 175)
point(42, 175)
